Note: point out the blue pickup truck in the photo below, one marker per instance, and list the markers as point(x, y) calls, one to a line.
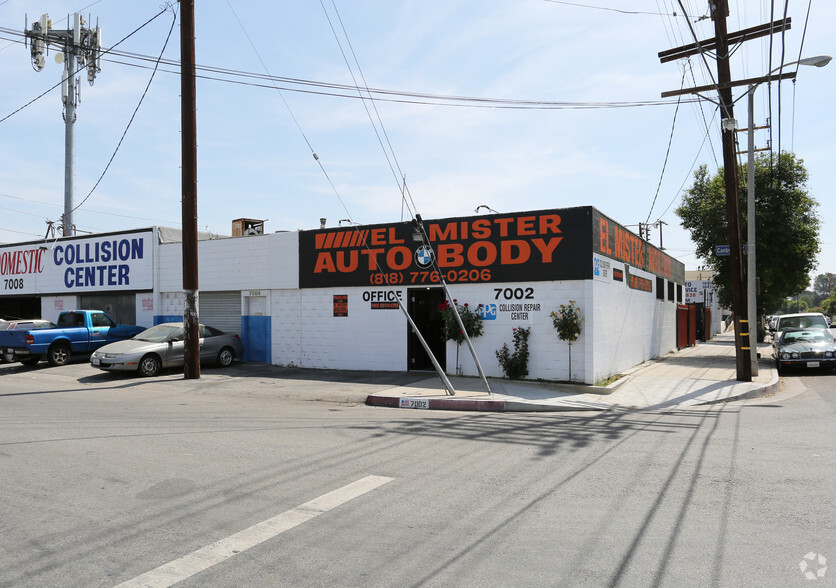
point(78, 331)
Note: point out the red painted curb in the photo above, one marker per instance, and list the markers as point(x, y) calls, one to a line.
point(442, 403)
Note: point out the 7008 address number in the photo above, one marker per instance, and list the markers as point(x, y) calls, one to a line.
point(430, 277)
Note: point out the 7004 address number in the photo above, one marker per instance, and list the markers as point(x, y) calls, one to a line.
point(430, 277)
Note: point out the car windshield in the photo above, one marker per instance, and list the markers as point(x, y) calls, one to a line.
point(791, 337)
point(802, 322)
point(4, 326)
point(160, 333)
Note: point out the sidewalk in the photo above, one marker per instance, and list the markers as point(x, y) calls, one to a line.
point(703, 374)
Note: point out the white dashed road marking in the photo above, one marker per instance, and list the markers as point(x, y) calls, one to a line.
point(206, 557)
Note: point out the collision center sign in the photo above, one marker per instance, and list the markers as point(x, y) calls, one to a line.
point(118, 261)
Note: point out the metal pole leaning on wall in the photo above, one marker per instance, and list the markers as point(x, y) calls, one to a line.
point(419, 226)
point(450, 390)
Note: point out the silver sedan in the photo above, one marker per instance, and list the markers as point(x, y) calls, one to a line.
point(163, 346)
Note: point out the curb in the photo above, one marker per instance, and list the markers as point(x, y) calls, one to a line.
point(470, 404)
point(767, 390)
point(473, 404)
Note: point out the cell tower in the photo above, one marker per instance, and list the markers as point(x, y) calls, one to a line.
point(77, 48)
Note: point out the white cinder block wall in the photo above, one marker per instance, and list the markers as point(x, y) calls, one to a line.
point(622, 327)
point(365, 339)
point(628, 326)
point(260, 262)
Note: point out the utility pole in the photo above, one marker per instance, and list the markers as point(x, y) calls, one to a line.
point(188, 116)
point(80, 47)
point(741, 312)
point(660, 223)
point(720, 46)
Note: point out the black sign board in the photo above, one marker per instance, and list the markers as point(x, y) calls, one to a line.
point(544, 245)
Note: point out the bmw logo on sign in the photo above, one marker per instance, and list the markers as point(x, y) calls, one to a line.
point(424, 256)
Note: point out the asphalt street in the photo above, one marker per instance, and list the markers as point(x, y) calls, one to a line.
point(110, 480)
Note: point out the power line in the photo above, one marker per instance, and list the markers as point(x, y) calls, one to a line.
point(399, 175)
point(133, 116)
point(349, 91)
point(578, 5)
point(667, 153)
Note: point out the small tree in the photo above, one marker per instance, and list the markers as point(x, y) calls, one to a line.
point(471, 320)
point(515, 365)
point(567, 321)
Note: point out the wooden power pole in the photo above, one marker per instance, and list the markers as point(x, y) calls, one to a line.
point(188, 116)
point(733, 216)
point(720, 45)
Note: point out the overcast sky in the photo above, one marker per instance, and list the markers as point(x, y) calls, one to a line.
point(573, 116)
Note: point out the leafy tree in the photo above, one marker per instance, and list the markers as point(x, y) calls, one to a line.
point(829, 305)
point(824, 285)
point(786, 226)
point(794, 304)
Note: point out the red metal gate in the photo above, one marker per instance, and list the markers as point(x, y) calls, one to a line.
point(686, 325)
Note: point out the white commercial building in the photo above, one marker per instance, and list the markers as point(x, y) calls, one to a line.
point(328, 298)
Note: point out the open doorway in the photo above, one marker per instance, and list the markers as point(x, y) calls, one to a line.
point(423, 307)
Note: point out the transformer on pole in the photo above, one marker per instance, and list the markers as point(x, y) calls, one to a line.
point(77, 48)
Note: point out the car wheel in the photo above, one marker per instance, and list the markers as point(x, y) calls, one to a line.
point(149, 366)
point(58, 354)
point(779, 368)
point(225, 357)
point(30, 361)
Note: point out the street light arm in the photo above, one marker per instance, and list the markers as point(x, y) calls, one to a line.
point(816, 61)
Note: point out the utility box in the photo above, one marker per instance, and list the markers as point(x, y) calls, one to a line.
point(245, 227)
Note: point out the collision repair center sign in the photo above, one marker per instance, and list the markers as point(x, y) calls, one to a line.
point(118, 261)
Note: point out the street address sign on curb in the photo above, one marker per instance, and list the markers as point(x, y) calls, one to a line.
point(726, 250)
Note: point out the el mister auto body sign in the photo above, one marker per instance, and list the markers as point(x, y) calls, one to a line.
point(120, 261)
point(529, 246)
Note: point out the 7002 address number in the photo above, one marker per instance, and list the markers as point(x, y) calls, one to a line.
point(422, 403)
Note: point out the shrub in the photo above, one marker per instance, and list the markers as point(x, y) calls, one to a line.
point(470, 319)
point(515, 365)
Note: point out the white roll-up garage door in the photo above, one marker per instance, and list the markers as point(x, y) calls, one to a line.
point(221, 310)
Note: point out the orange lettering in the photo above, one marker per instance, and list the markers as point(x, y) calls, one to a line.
point(547, 249)
point(503, 225)
point(324, 263)
point(378, 236)
point(450, 255)
point(525, 225)
point(448, 234)
point(405, 257)
point(480, 229)
point(372, 255)
point(514, 252)
point(352, 261)
point(604, 231)
point(489, 256)
point(549, 223)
